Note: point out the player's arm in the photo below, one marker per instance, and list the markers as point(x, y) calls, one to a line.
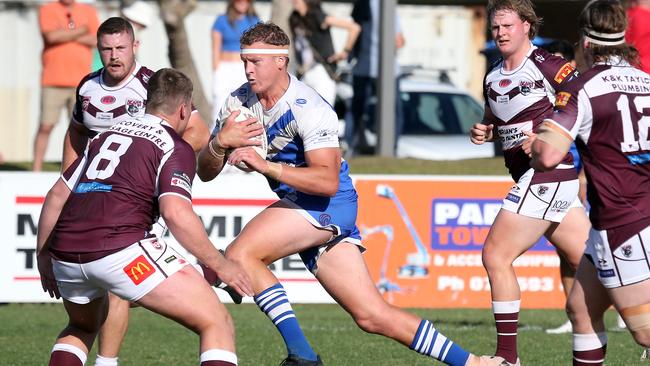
point(74, 143)
point(550, 146)
point(231, 135)
point(50, 212)
point(187, 228)
point(483, 131)
point(196, 134)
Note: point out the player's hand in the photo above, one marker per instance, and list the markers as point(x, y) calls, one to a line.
point(250, 157)
point(234, 276)
point(44, 262)
point(239, 134)
point(527, 145)
point(480, 133)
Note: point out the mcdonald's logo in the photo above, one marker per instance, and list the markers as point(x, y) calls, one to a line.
point(139, 269)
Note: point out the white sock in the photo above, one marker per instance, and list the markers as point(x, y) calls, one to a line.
point(218, 355)
point(71, 349)
point(105, 361)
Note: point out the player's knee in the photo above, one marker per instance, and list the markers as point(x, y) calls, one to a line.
point(492, 260)
point(45, 128)
point(637, 319)
point(371, 320)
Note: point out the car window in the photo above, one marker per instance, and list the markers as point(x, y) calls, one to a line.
point(439, 113)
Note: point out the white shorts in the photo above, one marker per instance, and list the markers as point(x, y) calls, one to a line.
point(628, 264)
point(130, 273)
point(546, 201)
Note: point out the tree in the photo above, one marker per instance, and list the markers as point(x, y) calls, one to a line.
point(173, 14)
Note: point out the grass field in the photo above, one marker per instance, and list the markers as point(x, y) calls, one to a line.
point(27, 332)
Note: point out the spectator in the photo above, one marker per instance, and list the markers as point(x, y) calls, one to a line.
point(638, 31)
point(310, 27)
point(228, 69)
point(365, 71)
point(68, 31)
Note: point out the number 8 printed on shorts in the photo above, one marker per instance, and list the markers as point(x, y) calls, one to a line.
point(113, 157)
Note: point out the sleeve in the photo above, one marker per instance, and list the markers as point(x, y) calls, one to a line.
point(319, 128)
point(177, 172)
point(319, 15)
point(72, 175)
point(572, 111)
point(220, 24)
point(78, 109)
point(46, 20)
point(556, 70)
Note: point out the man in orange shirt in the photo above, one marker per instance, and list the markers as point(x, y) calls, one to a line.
point(68, 31)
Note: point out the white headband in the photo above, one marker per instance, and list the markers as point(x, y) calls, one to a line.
point(265, 51)
point(604, 39)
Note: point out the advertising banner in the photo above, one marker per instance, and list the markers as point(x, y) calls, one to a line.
point(424, 237)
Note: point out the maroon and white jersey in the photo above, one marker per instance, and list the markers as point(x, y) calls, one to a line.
point(517, 101)
point(608, 108)
point(117, 183)
point(99, 106)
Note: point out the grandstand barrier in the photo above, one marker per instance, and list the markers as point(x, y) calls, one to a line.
point(423, 236)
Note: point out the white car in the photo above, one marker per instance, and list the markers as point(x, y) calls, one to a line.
point(437, 120)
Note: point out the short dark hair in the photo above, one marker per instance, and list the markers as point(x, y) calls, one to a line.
point(563, 47)
point(115, 25)
point(167, 90)
point(269, 33)
point(523, 8)
point(607, 16)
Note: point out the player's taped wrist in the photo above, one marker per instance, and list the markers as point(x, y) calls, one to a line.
point(219, 152)
point(274, 170)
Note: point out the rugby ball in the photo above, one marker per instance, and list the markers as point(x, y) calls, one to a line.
point(244, 114)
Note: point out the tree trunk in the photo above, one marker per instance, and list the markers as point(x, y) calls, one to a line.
point(173, 13)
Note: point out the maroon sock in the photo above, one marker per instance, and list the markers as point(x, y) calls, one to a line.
point(506, 324)
point(589, 358)
point(63, 358)
point(217, 363)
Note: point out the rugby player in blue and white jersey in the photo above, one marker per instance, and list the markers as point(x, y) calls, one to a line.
point(608, 109)
point(317, 210)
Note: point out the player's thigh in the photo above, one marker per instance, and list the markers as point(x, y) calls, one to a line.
point(511, 235)
point(588, 299)
point(87, 317)
point(276, 232)
point(343, 273)
point(570, 235)
point(188, 299)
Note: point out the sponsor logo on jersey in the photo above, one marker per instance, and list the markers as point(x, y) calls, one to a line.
point(503, 99)
point(139, 270)
point(170, 259)
point(134, 106)
point(145, 78)
point(564, 71)
point(182, 184)
point(627, 250)
point(104, 116)
point(505, 82)
point(606, 273)
point(156, 244)
point(301, 101)
point(85, 102)
point(92, 187)
point(107, 99)
point(560, 206)
point(539, 58)
point(463, 224)
point(562, 99)
point(513, 198)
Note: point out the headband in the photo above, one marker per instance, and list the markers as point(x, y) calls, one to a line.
point(265, 51)
point(604, 39)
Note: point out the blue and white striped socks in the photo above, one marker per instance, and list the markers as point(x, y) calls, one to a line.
point(275, 304)
point(428, 341)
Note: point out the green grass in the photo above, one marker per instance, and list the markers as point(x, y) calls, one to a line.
point(27, 332)
point(374, 165)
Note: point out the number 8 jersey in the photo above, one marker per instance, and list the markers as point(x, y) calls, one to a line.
point(608, 108)
point(117, 183)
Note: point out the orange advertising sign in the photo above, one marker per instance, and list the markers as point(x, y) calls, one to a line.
point(424, 240)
